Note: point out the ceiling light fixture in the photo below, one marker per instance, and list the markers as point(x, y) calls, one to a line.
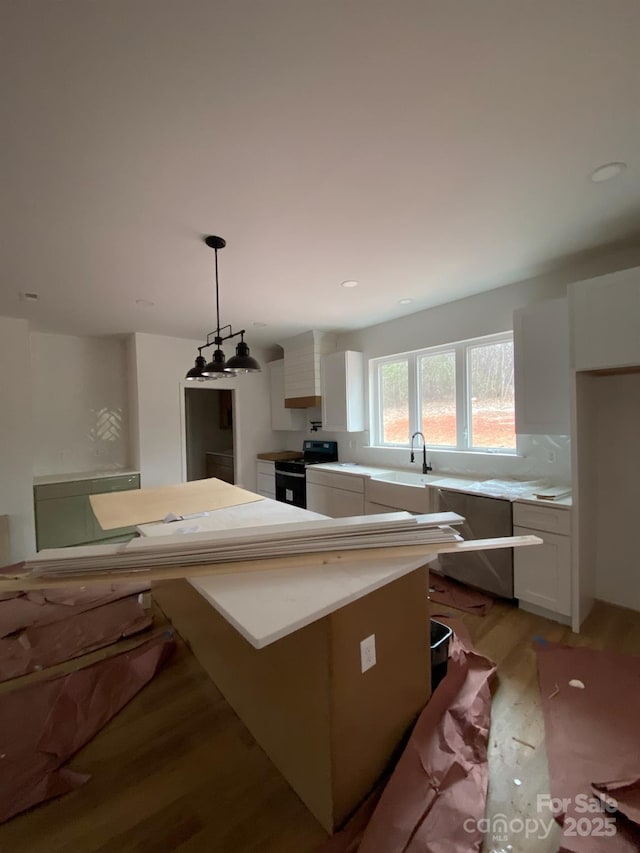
point(29, 297)
point(404, 301)
point(219, 367)
point(349, 283)
point(607, 171)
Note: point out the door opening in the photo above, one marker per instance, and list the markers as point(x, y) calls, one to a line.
point(209, 433)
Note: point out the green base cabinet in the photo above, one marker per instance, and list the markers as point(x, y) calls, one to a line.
point(64, 515)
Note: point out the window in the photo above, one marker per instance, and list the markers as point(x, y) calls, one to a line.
point(459, 395)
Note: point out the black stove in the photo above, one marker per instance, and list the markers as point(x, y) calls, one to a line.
point(291, 485)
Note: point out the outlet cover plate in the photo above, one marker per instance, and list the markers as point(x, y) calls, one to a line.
point(367, 653)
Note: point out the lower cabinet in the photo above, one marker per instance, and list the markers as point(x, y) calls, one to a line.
point(266, 479)
point(221, 465)
point(333, 494)
point(542, 573)
point(64, 516)
point(336, 503)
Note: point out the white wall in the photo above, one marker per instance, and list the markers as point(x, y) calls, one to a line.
point(16, 470)
point(616, 459)
point(80, 403)
point(482, 314)
point(160, 364)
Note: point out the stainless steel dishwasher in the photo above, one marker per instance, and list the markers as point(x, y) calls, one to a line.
point(485, 517)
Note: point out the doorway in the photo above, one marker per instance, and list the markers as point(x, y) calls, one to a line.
point(209, 433)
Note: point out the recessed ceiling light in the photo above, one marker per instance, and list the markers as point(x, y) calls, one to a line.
point(29, 297)
point(145, 303)
point(607, 171)
point(259, 325)
point(349, 283)
point(404, 301)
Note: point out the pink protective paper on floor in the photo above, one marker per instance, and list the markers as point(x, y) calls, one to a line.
point(437, 792)
point(593, 739)
point(43, 725)
point(41, 646)
point(42, 607)
point(452, 594)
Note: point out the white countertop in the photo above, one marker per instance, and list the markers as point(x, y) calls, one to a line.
point(353, 468)
point(82, 475)
point(479, 485)
point(266, 606)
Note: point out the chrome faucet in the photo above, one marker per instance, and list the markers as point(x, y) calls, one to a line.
point(425, 468)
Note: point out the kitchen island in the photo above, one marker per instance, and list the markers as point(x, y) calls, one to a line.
point(284, 648)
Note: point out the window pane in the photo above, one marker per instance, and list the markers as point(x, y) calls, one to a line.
point(491, 391)
point(394, 393)
point(438, 398)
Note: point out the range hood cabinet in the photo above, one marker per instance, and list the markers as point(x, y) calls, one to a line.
point(302, 368)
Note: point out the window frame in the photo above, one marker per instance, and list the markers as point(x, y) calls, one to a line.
point(462, 354)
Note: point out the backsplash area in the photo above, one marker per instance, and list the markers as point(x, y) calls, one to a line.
point(545, 457)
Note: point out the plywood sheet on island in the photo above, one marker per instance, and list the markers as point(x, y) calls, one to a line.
point(140, 506)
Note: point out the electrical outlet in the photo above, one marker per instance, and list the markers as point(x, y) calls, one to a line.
point(551, 457)
point(368, 653)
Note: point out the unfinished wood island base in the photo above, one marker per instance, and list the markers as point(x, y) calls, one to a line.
point(330, 729)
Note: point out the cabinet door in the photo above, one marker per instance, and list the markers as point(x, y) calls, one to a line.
point(342, 386)
point(605, 319)
point(542, 573)
point(336, 503)
point(541, 368)
point(344, 504)
point(281, 418)
point(63, 521)
point(318, 498)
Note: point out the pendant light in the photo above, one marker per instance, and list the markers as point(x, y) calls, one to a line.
point(218, 367)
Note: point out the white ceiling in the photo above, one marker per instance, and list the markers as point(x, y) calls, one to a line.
point(429, 149)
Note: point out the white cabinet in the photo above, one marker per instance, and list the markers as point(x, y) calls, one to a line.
point(542, 573)
point(335, 495)
point(541, 368)
point(342, 388)
point(605, 314)
point(281, 418)
point(266, 479)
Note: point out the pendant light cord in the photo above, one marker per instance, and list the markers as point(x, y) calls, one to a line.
point(217, 297)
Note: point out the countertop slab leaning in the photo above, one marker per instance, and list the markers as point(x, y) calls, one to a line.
point(264, 607)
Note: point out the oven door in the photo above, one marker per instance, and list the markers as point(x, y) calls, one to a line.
point(291, 488)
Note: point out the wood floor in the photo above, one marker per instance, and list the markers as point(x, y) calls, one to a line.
point(176, 770)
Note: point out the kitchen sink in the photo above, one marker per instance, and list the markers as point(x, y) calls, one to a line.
point(400, 490)
point(407, 478)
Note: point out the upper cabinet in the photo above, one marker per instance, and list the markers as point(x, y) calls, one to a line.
point(302, 356)
point(281, 418)
point(605, 315)
point(541, 368)
point(342, 386)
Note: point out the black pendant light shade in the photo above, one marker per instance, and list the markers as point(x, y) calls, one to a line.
point(218, 367)
point(196, 373)
point(242, 362)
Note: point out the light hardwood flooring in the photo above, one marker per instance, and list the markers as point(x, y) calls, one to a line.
point(176, 769)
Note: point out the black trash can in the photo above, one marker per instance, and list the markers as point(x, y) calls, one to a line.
point(440, 636)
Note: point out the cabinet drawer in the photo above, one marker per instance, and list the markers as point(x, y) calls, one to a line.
point(348, 482)
point(99, 485)
point(266, 468)
point(542, 518)
point(266, 484)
